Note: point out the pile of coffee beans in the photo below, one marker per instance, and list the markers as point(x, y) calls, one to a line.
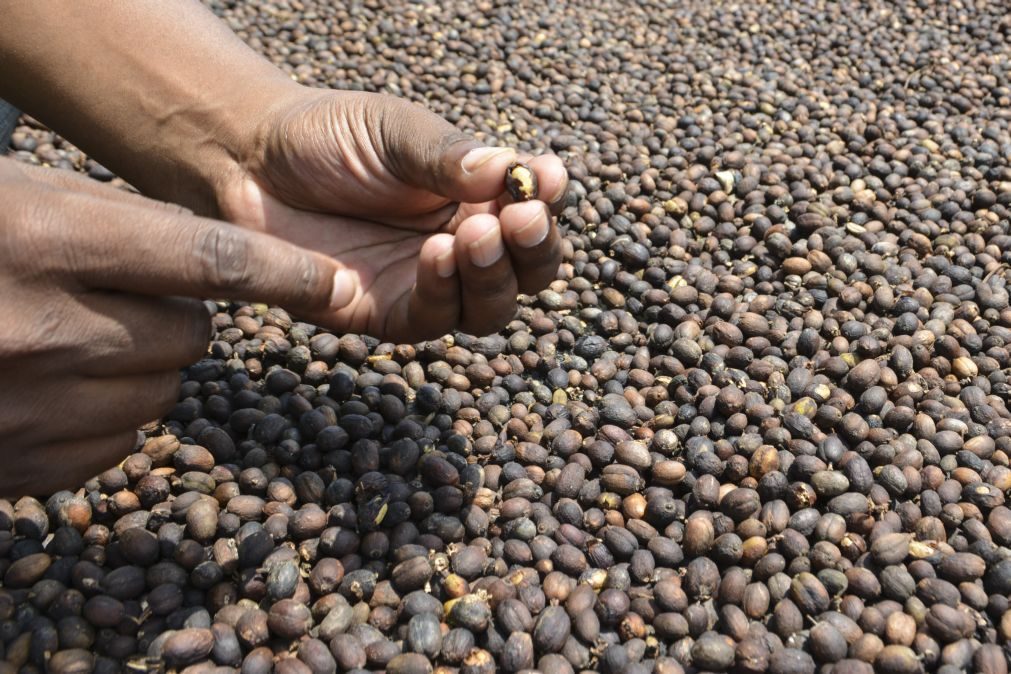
point(759, 423)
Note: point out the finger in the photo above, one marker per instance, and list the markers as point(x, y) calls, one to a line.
point(424, 150)
point(122, 247)
point(552, 181)
point(66, 464)
point(69, 180)
point(133, 334)
point(488, 284)
point(465, 211)
point(534, 244)
point(432, 308)
point(127, 401)
point(97, 407)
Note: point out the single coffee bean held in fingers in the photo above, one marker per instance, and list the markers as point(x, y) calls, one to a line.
point(521, 182)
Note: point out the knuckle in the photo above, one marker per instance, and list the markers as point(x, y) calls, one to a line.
point(540, 276)
point(30, 228)
point(443, 160)
point(49, 330)
point(310, 285)
point(399, 121)
point(453, 138)
point(223, 257)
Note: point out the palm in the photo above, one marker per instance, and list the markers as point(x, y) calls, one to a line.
point(384, 256)
point(347, 175)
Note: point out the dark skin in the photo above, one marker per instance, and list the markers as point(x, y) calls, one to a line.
point(359, 212)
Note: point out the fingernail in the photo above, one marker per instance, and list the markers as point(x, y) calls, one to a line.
point(344, 288)
point(477, 158)
point(487, 250)
point(445, 265)
point(534, 232)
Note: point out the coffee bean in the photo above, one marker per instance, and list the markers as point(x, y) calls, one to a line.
point(187, 646)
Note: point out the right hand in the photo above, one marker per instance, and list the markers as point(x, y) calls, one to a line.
point(416, 210)
point(95, 326)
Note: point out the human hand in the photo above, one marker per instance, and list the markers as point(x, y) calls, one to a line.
point(92, 338)
point(415, 209)
point(373, 181)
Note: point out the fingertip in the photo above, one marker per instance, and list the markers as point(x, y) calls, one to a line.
point(479, 241)
point(553, 179)
point(470, 229)
point(344, 289)
point(526, 224)
point(445, 264)
point(438, 254)
point(473, 227)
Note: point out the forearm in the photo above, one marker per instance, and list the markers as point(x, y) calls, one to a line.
point(160, 91)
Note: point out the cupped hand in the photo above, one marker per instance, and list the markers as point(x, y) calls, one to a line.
point(413, 209)
point(95, 327)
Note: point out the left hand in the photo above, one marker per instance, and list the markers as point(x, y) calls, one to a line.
point(415, 210)
point(99, 289)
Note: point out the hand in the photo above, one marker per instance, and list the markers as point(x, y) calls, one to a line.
point(412, 207)
point(373, 181)
point(92, 341)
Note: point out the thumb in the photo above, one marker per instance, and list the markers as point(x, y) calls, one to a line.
point(424, 150)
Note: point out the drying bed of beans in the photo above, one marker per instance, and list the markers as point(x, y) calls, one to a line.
point(758, 423)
